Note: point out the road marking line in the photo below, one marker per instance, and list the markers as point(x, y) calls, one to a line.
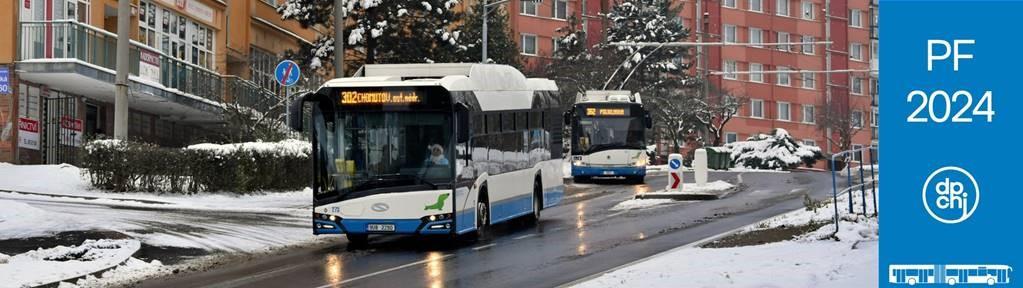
point(484, 247)
point(392, 269)
point(525, 236)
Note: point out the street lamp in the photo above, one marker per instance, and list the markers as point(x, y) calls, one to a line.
point(486, 11)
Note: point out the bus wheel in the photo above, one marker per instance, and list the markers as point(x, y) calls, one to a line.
point(482, 216)
point(990, 281)
point(358, 241)
point(537, 202)
point(951, 281)
point(911, 281)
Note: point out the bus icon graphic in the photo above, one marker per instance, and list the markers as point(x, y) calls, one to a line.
point(949, 274)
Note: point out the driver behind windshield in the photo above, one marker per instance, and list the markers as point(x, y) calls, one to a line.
point(436, 156)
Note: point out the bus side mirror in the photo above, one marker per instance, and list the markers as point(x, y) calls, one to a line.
point(649, 121)
point(568, 118)
point(461, 123)
point(295, 111)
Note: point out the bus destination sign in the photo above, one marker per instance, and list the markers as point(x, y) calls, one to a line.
point(379, 97)
point(607, 112)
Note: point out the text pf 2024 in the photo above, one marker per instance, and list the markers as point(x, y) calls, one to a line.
point(958, 106)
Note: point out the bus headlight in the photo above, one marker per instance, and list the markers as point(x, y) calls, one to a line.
point(641, 162)
point(438, 217)
point(577, 160)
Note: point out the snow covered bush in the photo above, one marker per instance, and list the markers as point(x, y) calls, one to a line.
point(775, 151)
point(127, 166)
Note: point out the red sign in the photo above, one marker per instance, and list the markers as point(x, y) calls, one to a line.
point(675, 181)
point(67, 122)
point(25, 124)
point(28, 4)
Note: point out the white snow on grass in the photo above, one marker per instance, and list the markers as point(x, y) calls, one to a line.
point(44, 266)
point(640, 203)
point(822, 258)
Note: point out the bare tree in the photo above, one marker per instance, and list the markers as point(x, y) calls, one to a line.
point(678, 116)
point(842, 122)
point(721, 105)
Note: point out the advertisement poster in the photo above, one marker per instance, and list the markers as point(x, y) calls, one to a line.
point(28, 133)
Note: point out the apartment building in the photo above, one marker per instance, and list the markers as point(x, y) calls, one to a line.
point(793, 101)
point(188, 59)
point(535, 26)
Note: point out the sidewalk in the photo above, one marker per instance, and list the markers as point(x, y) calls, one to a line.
point(814, 256)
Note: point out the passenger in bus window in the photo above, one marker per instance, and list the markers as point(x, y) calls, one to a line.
point(436, 156)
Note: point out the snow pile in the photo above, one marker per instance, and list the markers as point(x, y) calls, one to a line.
point(41, 178)
point(775, 151)
point(290, 147)
point(122, 275)
point(20, 220)
point(821, 258)
point(44, 266)
point(640, 203)
point(716, 186)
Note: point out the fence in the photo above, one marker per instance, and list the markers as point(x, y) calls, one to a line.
point(851, 186)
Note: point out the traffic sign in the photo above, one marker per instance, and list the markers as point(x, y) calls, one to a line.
point(674, 173)
point(287, 73)
point(5, 80)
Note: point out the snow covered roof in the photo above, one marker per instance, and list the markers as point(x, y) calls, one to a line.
point(609, 96)
point(452, 76)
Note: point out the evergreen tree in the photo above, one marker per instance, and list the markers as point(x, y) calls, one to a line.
point(501, 47)
point(378, 31)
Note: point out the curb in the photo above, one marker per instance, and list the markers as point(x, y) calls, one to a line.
point(94, 274)
point(144, 201)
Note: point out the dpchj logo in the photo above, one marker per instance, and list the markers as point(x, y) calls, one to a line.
point(951, 195)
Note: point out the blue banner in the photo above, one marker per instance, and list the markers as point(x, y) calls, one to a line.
point(950, 121)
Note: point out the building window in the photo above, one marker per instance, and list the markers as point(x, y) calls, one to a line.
point(528, 8)
point(808, 114)
point(528, 44)
point(731, 137)
point(782, 7)
point(858, 155)
point(808, 80)
point(176, 36)
point(756, 108)
point(730, 34)
point(873, 118)
point(856, 51)
point(755, 74)
point(756, 5)
point(856, 85)
point(262, 65)
point(808, 45)
point(857, 119)
point(809, 142)
point(77, 10)
point(555, 44)
point(729, 3)
point(784, 113)
point(807, 9)
point(560, 9)
point(784, 79)
point(855, 18)
point(756, 37)
point(729, 68)
point(783, 37)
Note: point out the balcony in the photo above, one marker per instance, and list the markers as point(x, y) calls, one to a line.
point(81, 59)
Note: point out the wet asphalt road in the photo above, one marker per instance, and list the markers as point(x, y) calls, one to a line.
point(578, 238)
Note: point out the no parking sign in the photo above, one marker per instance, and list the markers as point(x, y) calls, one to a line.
point(674, 173)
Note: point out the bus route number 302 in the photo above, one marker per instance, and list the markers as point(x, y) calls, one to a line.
point(957, 107)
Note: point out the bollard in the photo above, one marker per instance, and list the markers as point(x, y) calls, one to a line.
point(674, 173)
point(700, 166)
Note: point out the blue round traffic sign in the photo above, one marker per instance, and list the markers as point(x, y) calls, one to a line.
point(287, 73)
point(674, 163)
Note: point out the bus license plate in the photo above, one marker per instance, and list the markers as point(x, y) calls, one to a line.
point(380, 227)
point(609, 172)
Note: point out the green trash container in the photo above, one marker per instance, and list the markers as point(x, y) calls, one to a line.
point(717, 159)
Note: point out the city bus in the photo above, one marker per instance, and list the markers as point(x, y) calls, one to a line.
point(608, 136)
point(949, 274)
point(441, 149)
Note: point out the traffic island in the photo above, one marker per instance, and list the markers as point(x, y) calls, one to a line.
point(693, 192)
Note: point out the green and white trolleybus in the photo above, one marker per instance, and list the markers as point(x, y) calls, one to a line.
point(419, 149)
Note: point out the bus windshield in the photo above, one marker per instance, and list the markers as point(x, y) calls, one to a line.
point(596, 134)
point(383, 152)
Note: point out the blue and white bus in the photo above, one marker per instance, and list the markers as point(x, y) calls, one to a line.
point(444, 149)
point(608, 136)
point(949, 274)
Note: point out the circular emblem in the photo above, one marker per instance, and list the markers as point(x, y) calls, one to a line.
point(951, 194)
point(675, 163)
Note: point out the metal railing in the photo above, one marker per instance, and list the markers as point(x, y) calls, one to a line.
point(69, 39)
point(248, 94)
point(851, 186)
